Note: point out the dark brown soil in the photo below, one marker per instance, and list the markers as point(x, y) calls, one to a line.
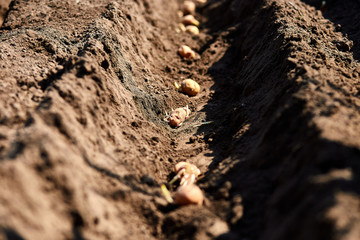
point(84, 87)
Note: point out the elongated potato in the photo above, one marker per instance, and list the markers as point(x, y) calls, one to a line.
point(189, 87)
point(189, 20)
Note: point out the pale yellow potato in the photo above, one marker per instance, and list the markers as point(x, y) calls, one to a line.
point(192, 29)
point(188, 7)
point(182, 27)
point(189, 87)
point(189, 20)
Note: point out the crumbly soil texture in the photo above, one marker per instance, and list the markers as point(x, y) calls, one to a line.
point(275, 130)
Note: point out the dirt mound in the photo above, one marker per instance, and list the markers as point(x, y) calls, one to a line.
point(85, 86)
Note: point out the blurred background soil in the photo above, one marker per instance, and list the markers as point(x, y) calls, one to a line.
point(84, 88)
point(4, 7)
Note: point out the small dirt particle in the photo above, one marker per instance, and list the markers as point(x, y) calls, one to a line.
point(192, 139)
point(343, 46)
point(168, 69)
point(237, 213)
point(148, 180)
point(338, 28)
point(155, 139)
point(237, 199)
point(136, 124)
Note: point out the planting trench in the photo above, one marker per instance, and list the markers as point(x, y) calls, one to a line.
point(83, 147)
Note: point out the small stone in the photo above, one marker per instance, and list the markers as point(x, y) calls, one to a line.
point(217, 228)
point(338, 28)
point(237, 199)
point(238, 212)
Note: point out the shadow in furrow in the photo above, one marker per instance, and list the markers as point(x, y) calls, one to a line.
point(265, 146)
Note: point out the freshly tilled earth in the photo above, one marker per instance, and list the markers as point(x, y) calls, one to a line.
point(85, 86)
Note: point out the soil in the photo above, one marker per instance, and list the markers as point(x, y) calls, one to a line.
point(85, 86)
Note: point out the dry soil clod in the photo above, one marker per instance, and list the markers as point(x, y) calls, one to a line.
point(189, 87)
point(176, 117)
point(186, 52)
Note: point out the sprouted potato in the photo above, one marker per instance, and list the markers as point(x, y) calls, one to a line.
point(189, 87)
point(186, 52)
point(189, 20)
point(176, 117)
